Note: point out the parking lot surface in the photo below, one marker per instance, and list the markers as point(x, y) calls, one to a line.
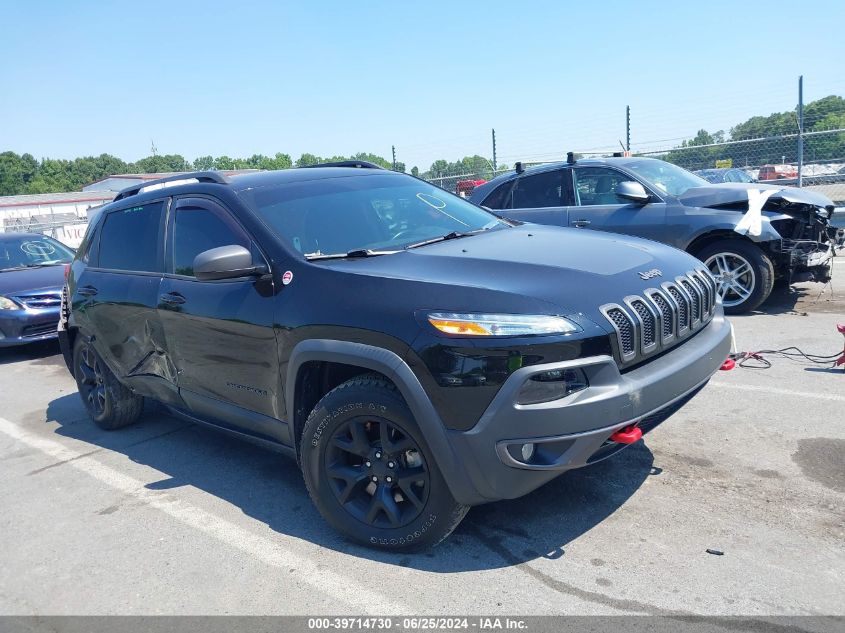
point(169, 518)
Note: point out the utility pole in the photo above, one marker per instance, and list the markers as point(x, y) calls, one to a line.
point(153, 148)
point(800, 130)
point(494, 152)
point(393, 149)
point(628, 128)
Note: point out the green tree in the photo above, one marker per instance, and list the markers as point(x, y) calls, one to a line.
point(203, 163)
point(308, 159)
point(11, 174)
point(224, 162)
point(160, 163)
point(438, 169)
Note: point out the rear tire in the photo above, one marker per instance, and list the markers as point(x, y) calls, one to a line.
point(110, 404)
point(370, 472)
point(744, 274)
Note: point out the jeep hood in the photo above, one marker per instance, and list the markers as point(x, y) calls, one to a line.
point(550, 269)
point(735, 196)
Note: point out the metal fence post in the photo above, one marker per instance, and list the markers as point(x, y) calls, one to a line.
point(494, 152)
point(800, 130)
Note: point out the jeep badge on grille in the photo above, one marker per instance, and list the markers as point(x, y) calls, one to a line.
point(650, 274)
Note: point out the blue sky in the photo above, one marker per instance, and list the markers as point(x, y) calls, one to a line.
point(431, 78)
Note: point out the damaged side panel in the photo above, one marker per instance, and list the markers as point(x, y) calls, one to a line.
point(795, 229)
point(130, 337)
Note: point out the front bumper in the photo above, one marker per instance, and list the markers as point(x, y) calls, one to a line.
point(19, 327)
point(574, 431)
point(811, 256)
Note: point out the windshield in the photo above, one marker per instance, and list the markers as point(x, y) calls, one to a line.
point(372, 214)
point(665, 177)
point(29, 251)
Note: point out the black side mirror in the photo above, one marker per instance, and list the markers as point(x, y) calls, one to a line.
point(226, 262)
point(633, 191)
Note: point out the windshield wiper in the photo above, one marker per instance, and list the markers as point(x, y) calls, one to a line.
point(42, 264)
point(454, 235)
point(358, 252)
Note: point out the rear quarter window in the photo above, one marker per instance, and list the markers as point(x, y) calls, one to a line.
point(499, 198)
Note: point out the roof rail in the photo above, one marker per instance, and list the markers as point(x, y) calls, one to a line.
point(361, 164)
point(200, 176)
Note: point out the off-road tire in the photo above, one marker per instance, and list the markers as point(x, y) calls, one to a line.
point(761, 265)
point(119, 407)
point(353, 402)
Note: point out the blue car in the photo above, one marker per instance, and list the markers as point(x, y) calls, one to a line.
point(32, 269)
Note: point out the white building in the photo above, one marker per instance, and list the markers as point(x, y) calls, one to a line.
point(61, 215)
point(116, 182)
point(64, 216)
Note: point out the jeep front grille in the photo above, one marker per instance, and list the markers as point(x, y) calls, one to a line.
point(695, 299)
point(667, 315)
point(662, 317)
point(624, 330)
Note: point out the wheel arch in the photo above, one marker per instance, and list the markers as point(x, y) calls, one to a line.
point(360, 358)
point(703, 241)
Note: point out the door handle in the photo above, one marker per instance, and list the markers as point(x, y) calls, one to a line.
point(580, 223)
point(87, 291)
point(172, 299)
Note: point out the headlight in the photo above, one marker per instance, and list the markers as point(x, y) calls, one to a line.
point(8, 304)
point(500, 324)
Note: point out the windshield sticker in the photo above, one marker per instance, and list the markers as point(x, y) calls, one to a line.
point(438, 205)
point(37, 248)
point(432, 201)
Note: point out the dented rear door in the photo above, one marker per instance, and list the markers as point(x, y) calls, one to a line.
point(116, 299)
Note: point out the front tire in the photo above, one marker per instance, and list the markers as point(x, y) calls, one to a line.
point(110, 404)
point(744, 274)
point(370, 472)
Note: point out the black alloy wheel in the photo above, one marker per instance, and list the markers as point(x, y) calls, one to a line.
point(92, 386)
point(377, 472)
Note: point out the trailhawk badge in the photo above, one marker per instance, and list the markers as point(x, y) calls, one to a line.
point(650, 274)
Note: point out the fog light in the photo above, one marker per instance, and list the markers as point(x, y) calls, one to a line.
point(527, 452)
point(552, 385)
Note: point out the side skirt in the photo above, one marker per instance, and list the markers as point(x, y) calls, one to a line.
point(265, 443)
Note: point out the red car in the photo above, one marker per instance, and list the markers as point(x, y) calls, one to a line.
point(464, 188)
point(777, 172)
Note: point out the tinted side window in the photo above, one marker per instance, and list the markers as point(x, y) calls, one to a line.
point(129, 238)
point(87, 249)
point(597, 185)
point(198, 229)
point(499, 199)
point(540, 190)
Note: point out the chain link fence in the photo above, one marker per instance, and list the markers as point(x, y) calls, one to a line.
point(69, 231)
point(769, 160)
point(802, 145)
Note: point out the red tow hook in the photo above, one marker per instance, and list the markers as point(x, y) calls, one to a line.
point(729, 364)
point(841, 359)
point(628, 435)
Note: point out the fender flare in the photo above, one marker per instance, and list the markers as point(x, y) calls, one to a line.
point(726, 228)
point(397, 370)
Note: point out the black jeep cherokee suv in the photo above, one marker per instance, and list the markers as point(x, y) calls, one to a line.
point(415, 353)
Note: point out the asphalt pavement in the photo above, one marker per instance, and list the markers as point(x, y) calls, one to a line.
point(169, 518)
